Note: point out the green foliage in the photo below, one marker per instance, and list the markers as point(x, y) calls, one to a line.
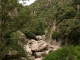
point(66, 13)
point(55, 35)
point(70, 28)
point(65, 53)
point(78, 16)
point(12, 17)
point(76, 2)
point(34, 27)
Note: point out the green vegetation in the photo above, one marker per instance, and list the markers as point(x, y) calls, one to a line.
point(34, 27)
point(57, 19)
point(12, 17)
point(55, 35)
point(65, 53)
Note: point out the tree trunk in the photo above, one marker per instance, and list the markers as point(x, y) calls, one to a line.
point(78, 8)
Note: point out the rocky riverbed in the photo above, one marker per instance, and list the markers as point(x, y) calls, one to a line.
point(40, 48)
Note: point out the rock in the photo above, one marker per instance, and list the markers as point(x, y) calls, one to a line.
point(31, 41)
point(23, 58)
point(47, 51)
point(21, 35)
point(50, 46)
point(42, 45)
point(37, 45)
point(56, 47)
point(38, 59)
point(34, 46)
point(39, 54)
point(32, 58)
point(27, 48)
point(40, 37)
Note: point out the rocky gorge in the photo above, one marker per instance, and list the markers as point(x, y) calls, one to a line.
point(40, 48)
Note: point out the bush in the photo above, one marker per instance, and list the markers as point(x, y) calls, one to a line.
point(33, 28)
point(66, 13)
point(65, 53)
point(55, 35)
point(13, 47)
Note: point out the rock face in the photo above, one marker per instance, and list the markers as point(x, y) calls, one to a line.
point(39, 48)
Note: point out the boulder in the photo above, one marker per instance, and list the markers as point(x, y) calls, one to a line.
point(32, 58)
point(40, 37)
point(47, 51)
point(39, 54)
point(42, 45)
point(37, 45)
point(34, 46)
point(55, 48)
point(38, 59)
point(27, 48)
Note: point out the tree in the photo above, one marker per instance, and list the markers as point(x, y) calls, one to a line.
point(70, 30)
point(12, 17)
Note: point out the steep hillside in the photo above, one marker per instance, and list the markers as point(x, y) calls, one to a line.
point(62, 19)
point(56, 20)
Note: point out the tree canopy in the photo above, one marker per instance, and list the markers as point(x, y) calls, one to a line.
point(12, 17)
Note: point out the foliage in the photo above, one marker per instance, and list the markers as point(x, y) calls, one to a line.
point(42, 17)
point(66, 13)
point(78, 16)
point(70, 28)
point(65, 53)
point(34, 27)
point(76, 2)
point(12, 17)
point(55, 35)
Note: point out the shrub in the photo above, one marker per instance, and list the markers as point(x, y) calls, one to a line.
point(55, 35)
point(66, 13)
point(65, 53)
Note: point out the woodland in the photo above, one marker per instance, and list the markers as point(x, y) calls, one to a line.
point(56, 19)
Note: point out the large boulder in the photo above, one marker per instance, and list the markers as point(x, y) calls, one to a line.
point(37, 45)
point(42, 45)
point(33, 45)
